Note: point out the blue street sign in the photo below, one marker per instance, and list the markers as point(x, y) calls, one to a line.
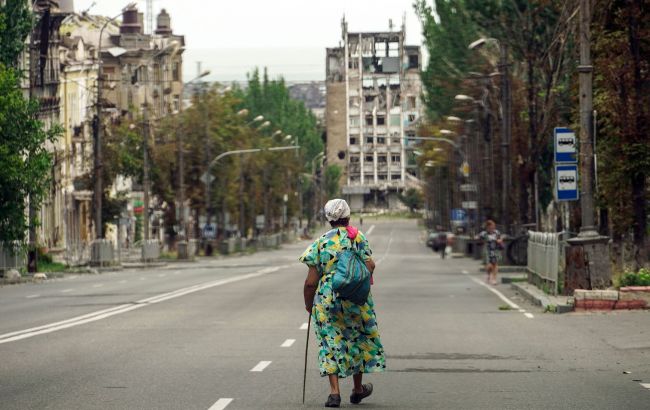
point(565, 146)
point(458, 214)
point(566, 182)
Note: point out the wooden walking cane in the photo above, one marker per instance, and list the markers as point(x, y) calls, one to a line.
point(304, 377)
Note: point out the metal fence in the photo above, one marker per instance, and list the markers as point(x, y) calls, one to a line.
point(544, 256)
point(11, 258)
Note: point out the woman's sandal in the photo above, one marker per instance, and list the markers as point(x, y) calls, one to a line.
point(355, 398)
point(333, 400)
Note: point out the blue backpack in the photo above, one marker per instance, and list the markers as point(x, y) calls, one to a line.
point(351, 279)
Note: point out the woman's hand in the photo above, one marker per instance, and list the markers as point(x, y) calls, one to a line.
point(311, 284)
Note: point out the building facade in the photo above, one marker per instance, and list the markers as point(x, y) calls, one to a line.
point(373, 105)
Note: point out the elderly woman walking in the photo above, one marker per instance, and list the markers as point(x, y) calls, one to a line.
point(347, 333)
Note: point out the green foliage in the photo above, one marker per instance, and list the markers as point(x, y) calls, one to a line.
point(332, 177)
point(26, 164)
point(640, 278)
point(622, 99)
point(412, 198)
point(446, 38)
point(15, 25)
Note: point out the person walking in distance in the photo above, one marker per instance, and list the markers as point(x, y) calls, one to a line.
point(347, 332)
point(492, 245)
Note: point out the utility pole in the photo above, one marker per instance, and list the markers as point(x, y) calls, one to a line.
point(32, 254)
point(587, 259)
point(506, 126)
point(145, 177)
point(585, 69)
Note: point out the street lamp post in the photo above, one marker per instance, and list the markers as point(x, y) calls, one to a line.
point(98, 129)
point(506, 124)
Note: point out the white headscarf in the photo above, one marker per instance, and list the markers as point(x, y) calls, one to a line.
point(336, 209)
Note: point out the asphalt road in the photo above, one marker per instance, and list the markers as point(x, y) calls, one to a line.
point(230, 334)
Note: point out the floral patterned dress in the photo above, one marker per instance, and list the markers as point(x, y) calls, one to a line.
point(347, 333)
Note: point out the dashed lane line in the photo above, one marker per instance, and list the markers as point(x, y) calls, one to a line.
point(529, 315)
point(261, 366)
point(372, 228)
point(288, 343)
point(32, 296)
point(646, 385)
point(122, 281)
point(390, 241)
point(221, 404)
point(99, 285)
point(304, 326)
point(66, 290)
point(127, 307)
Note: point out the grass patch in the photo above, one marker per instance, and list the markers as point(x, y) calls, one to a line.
point(515, 279)
point(505, 307)
point(168, 255)
point(46, 266)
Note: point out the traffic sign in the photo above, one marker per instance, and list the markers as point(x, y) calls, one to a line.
point(458, 214)
point(470, 205)
point(566, 182)
point(565, 144)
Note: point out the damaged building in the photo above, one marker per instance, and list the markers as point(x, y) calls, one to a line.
point(373, 105)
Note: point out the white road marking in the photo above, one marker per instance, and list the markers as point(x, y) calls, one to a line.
point(646, 385)
point(529, 315)
point(177, 272)
point(142, 278)
point(304, 326)
point(465, 272)
point(162, 275)
point(66, 290)
point(99, 285)
point(261, 366)
point(122, 281)
point(496, 292)
point(221, 404)
point(522, 310)
point(288, 343)
point(372, 227)
point(32, 296)
point(106, 313)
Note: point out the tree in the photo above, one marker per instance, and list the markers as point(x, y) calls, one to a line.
point(332, 178)
point(26, 163)
point(412, 198)
point(622, 99)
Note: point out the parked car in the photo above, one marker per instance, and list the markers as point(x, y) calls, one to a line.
point(439, 239)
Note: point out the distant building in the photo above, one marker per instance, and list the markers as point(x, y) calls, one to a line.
point(373, 105)
point(312, 94)
point(40, 63)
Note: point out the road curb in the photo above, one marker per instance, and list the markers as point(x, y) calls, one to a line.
point(549, 303)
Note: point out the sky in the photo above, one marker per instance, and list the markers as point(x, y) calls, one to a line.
point(287, 36)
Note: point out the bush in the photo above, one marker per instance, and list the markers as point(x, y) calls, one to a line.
point(640, 278)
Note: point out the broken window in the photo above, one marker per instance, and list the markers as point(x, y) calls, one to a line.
point(381, 159)
point(412, 118)
point(354, 158)
point(395, 176)
point(353, 141)
point(353, 64)
point(369, 120)
point(369, 158)
point(381, 140)
point(354, 102)
point(369, 140)
point(369, 98)
point(395, 158)
point(381, 120)
point(370, 177)
point(414, 61)
point(393, 49)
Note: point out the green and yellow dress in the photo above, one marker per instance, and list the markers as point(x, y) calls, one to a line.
point(347, 333)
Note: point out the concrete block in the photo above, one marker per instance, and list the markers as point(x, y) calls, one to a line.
point(636, 293)
point(12, 276)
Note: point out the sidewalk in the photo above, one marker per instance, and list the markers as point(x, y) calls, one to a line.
point(555, 304)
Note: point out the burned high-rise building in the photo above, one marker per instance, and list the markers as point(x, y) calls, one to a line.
point(373, 105)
